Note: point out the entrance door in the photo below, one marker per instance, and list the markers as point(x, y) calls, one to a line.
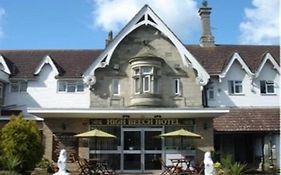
point(141, 149)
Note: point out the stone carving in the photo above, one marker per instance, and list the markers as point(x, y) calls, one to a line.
point(208, 163)
point(62, 163)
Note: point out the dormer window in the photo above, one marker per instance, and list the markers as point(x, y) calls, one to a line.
point(145, 79)
point(177, 86)
point(266, 87)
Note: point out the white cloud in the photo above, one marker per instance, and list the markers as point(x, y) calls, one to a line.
point(180, 15)
point(261, 23)
point(2, 14)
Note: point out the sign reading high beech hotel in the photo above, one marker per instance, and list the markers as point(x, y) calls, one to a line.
point(138, 121)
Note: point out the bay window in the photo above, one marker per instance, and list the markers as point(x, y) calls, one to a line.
point(145, 79)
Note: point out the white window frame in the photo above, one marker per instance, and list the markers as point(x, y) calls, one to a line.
point(115, 86)
point(177, 86)
point(142, 76)
point(144, 83)
point(233, 85)
point(68, 83)
point(19, 86)
point(267, 83)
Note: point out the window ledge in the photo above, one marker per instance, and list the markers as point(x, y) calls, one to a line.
point(269, 94)
point(236, 94)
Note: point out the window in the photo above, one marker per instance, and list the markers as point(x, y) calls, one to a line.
point(211, 92)
point(115, 87)
point(177, 86)
point(1, 90)
point(235, 87)
point(70, 86)
point(266, 87)
point(18, 86)
point(145, 79)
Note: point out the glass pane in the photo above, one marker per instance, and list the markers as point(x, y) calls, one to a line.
point(106, 143)
point(137, 71)
point(115, 87)
point(137, 85)
point(146, 70)
point(270, 88)
point(152, 142)
point(62, 86)
point(132, 161)
point(262, 87)
point(155, 86)
point(211, 94)
point(23, 86)
point(71, 87)
point(146, 84)
point(132, 140)
point(152, 162)
point(238, 89)
point(80, 86)
point(14, 87)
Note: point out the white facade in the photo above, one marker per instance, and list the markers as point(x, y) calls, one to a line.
point(251, 95)
point(43, 93)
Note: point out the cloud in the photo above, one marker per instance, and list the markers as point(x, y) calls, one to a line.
point(261, 23)
point(180, 15)
point(2, 14)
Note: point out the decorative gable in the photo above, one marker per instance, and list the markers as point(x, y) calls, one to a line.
point(146, 17)
point(3, 65)
point(268, 58)
point(236, 57)
point(46, 60)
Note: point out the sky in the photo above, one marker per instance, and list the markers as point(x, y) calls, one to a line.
point(84, 24)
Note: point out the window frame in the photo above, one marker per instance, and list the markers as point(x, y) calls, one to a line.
point(177, 86)
point(267, 83)
point(234, 85)
point(19, 84)
point(145, 81)
point(68, 83)
point(211, 90)
point(113, 86)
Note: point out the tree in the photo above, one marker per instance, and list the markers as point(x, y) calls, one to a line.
point(21, 139)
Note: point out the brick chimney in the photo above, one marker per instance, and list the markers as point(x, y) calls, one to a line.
point(207, 39)
point(109, 38)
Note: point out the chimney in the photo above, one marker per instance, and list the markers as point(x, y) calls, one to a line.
point(207, 39)
point(109, 38)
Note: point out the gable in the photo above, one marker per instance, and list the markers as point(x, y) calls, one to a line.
point(143, 18)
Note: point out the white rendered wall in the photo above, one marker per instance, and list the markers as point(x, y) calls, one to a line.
point(251, 89)
point(42, 93)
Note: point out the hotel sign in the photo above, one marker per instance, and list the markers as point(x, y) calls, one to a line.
point(138, 122)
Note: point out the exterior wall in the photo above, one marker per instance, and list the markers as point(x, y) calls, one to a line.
point(204, 127)
point(132, 46)
point(42, 93)
point(251, 96)
point(52, 126)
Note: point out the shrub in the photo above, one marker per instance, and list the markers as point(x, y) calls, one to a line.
point(21, 139)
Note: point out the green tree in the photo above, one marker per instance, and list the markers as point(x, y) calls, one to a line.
point(21, 139)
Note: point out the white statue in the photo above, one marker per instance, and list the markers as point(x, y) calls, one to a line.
point(62, 163)
point(208, 163)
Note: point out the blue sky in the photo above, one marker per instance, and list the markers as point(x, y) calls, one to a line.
point(83, 24)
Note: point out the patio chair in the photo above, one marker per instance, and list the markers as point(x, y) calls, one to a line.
point(83, 166)
point(168, 169)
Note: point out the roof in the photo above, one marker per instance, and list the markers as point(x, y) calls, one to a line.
point(214, 59)
point(249, 120)
point(73, 63)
